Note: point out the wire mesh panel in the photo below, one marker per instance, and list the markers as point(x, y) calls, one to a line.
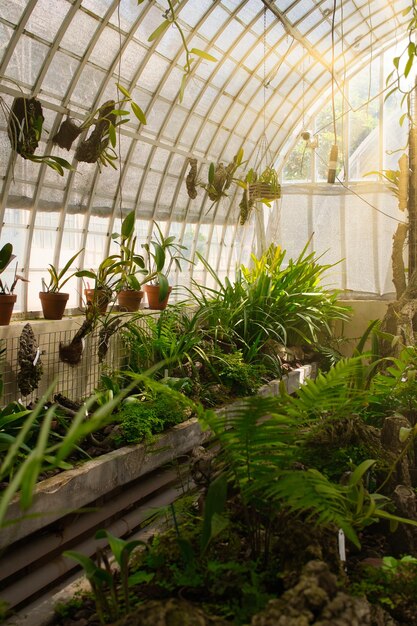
point(74, 381)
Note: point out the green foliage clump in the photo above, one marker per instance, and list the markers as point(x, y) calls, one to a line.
point(141, 417)
point(393, 584)
point(223, 582)
point(395, 388)
point(336, 445)
point(274, 299)
point(172, 337)
point(240, 377)
point(139, 422)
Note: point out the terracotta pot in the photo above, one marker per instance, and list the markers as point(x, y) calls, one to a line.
point(152, 293)
point(7, 301)
point(53, 304)
point(99, 297)
point(129, 300)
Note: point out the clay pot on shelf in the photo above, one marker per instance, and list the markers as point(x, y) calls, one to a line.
point(98, 297)
point(7, 301)
point(53, 304)
point(152, 293)
point(129, 300)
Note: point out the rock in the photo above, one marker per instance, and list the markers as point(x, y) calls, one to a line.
point(404, 539)
point(390, 439)
point(201, 469)
point(172, 612)
point(315, 599)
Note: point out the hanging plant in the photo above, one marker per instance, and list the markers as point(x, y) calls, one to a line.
point(24, 128)
point(265, 188)
point(67, 134)
point(191, 54)
point(94, 147)
point(191, 180)
point(71, 353)
point(245, 205)
point(99, 146)
point(25, 125)
point(30, 364)
point(220, 178)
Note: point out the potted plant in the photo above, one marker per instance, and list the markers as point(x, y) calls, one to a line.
point(162, 253)
point(7, 297)
point(265, 186)
point(53, 300)
point(131, 264)
point(105, 279)
point(24, 128)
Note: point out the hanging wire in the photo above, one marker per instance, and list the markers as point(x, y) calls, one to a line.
point(119, 72)
point(358, 195)
point(333, 76)
point(263, 150)
point(264, 70)
point(345, 94)
point(372, 51)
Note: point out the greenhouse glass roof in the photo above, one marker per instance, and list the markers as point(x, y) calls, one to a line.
point(273, 72)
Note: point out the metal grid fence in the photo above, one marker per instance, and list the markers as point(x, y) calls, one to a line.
point(76, 382)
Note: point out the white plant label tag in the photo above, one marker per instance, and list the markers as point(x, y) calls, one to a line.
point(342, 545)
point(37, 355)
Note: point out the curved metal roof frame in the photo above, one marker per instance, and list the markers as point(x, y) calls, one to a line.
point(362, 27)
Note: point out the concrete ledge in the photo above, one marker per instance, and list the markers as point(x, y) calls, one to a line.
point(73, 489)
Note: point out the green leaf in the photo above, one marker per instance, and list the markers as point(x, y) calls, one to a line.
point(138, 113)
point(85, 274)
point(390, 93)
point(91, 570)
point(163, 287)
point(408, 66)
point(396, 62)
point(203, 55)
point(68, 264)
point(403, 118)
point(123, 90)
point(215, 505)
point(159, 256)
point(359, 471)
point(404, 433)
point(238, 158)
point(112, 135)
point(119, 112)
point(159, 31)
point(128, 225)
point(182, 87)
point(133, 282)
point(211, 172)
point(6, 256)
point(116, 545)
point(139, 578)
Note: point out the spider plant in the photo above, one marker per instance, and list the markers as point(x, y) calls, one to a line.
point(269, 301)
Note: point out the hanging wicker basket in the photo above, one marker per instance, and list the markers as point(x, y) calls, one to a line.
point(264, 191)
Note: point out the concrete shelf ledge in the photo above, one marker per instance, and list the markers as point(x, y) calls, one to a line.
point(76, 488)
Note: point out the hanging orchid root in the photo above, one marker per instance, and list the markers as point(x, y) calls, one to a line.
point(90, 149)
point(191, 180)
point(25, 125)
point(246, 205)
point(67, 134)
point(72, 352)
point(30, 364)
